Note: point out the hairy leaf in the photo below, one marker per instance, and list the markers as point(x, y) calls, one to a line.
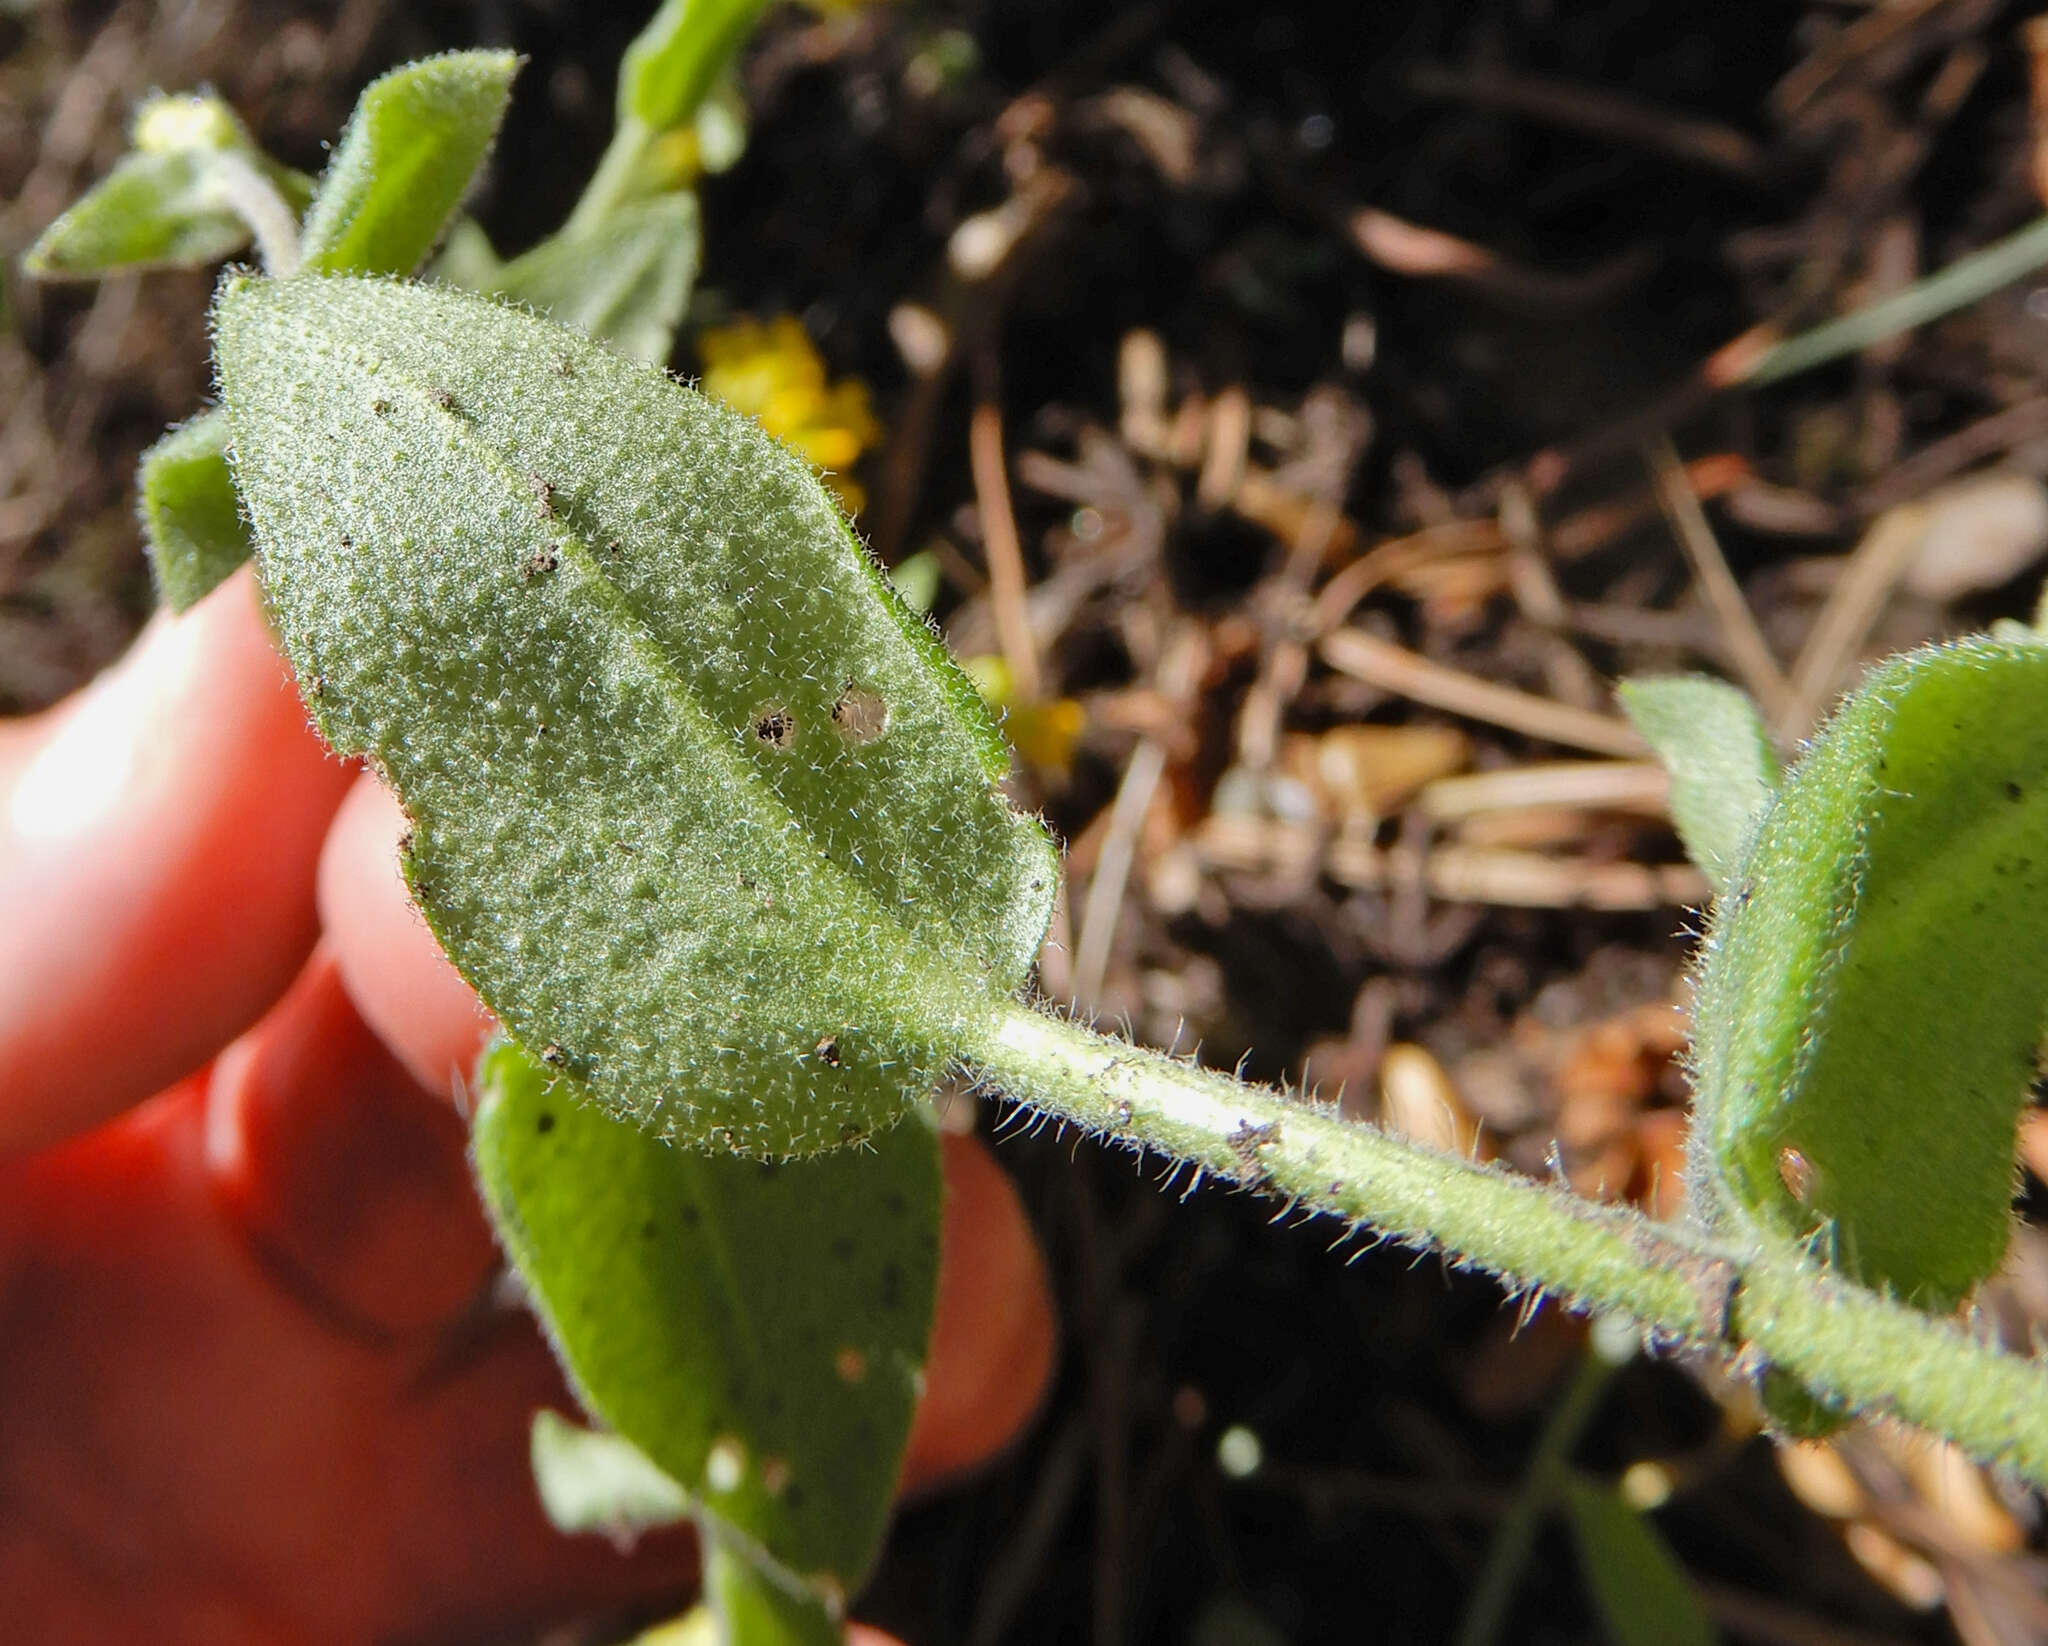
point(704, 814)
point(595, 1482)
point(673, 63)
point(626, 281)
point(1723, 768)
point(412, 148)
point(1642, 1593)
point(191, 517)
point(164, 210)
point(1876, 979)
point(757, 1330)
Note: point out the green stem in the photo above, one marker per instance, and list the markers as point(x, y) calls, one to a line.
point(258, 202)
point(1509, 1555)
point(617, 180)
point(1775, 1307)
point(1962, 282)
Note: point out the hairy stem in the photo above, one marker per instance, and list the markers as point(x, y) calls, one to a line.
point(255, 199)
point(618, 180)
point(1776, 1308)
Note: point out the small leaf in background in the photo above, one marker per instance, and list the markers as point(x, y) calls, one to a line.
point(1723, 768)
point(466, 258)
point(169, 204)
point(413, 146)
point(673, 64)
point(758, 1331)
point(698, 807)
point(595, 1482)
point(755, 1607)
point(1875, 983)
point(1642, 1593)
point(774, 374)
point(627, 281)
point(191, 517)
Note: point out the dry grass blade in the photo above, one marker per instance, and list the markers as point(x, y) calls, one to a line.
point(1407, 674)
point(1875, 567)
point(1747, 649)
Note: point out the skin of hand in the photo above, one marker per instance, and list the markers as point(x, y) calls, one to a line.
point(257, 1390)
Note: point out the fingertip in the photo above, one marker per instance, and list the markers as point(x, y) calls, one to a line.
point(390, 964)
point(995, 1332)
point(158, 837)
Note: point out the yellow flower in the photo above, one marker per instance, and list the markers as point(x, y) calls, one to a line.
point(773, 373)
point(1044, 733)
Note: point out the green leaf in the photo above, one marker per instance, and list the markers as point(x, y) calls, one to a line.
point(1723, 768)
point(171, 210)
point(754, 1609)
point(758, 1331)
point(697, 806)
point(1875, 983)
point(413, 146)
point(1638, 1586)
point(595, 1482)
point(191, 517)
point(673, 63)
point(626, 281)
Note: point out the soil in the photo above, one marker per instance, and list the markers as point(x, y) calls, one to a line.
point(1315, 321)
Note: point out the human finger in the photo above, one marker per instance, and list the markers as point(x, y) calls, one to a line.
point(158, 838)
point(388, 960)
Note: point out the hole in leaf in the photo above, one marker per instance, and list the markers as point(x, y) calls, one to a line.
point(776, 728)
point(861, 715)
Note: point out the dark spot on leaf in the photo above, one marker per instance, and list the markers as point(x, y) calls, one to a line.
point(2014, 792)
point(553, 1056)
point(892, 1285)
point(794, 1497)
point(776, 728)
point(894, 1203)
point(443, 399)
point(648, 1230)
point(543, 495)
point(565, 366)
point(380, 407)
point(853, 1132)
point(844, 1246)
point(538, 564)
point(828, 1050)
point(691, 1216)
point(544, 1123)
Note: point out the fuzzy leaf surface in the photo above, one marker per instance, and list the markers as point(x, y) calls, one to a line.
point(167, 210)
point(191, 517)
point(414, 144)
point(590, 1481)
point(627, 281)
point(757, 1330)
point(697, 806)
point(1642, 1593)
point(673, 63)
point(1723, 769)
point(1875, 983)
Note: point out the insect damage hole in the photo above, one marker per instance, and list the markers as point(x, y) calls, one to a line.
point(776, 728)
point(860, 714)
